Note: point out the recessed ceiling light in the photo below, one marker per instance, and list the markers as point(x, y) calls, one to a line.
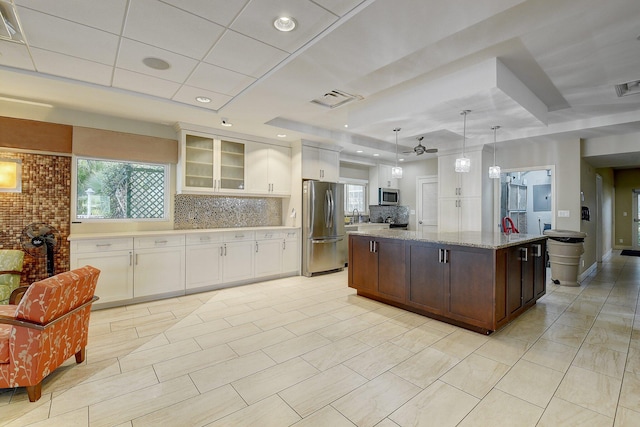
point(282, 135)
point(203, 99)
point(226, 123)
point(376, 155)
point(401, 160)
point(359, 151)
point(156, 63)
point(284, 23)
point(346, 126)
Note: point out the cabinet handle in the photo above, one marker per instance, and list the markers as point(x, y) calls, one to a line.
point(103, 245)
point(130, 258)
point(161, 242)
point(256, 247)
point(375, 247)
point(284, 245)
point(225, 249)
point(220, 250)
point(445, 256)
point(538, 252)
point(136, 259)
point(205, 239)
point(239, 236)
point(440, 256)
point(525, 254)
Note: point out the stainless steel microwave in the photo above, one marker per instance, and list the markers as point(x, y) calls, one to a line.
point(388, 196)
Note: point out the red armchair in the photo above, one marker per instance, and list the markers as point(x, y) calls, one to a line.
point(49, 325)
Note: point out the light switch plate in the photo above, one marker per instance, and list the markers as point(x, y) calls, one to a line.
point(563, 214)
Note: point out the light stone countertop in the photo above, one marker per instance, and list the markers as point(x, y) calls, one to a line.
point(89, 236)
point(465, 238)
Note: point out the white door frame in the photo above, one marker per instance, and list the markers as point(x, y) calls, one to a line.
point(635, 220)
point(599, 225)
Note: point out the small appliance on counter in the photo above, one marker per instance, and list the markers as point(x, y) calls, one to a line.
point(324, 243)
point(388, 196)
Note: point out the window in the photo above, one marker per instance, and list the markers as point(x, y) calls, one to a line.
point(108, 189)
point(355, 198)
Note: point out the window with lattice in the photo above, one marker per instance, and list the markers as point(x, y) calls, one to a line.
point(108, 189)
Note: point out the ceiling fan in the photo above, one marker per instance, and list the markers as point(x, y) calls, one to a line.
point(421, 149)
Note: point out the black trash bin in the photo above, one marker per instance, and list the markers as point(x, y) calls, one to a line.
point(565, 248)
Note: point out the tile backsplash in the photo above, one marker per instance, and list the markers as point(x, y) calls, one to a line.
point(197, 211)
point(399, 214)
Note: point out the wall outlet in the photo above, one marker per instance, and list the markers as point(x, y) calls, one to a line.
point(620, 240)
point(563, 214)
point(624, 214)
point(583, 263)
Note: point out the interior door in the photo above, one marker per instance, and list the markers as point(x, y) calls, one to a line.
point(427, 197)
point(636, 219)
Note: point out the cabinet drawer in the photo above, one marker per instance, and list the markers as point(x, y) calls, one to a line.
point(158, 241)
point(291, 235)
point(203, 238)
point(238, 236)
point(269, 235)
point(103, 245)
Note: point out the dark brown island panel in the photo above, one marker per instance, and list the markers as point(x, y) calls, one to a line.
point(480, 281)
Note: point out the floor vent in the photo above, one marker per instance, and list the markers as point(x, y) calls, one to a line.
point(336, 98)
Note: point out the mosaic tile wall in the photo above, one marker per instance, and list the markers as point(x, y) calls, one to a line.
point(45, 198)
point(195, 211)
point(399, 214)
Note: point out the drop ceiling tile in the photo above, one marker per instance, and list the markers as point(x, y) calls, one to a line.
point(256, 21)
point(188, 94)
point(70, 67)
point(132, 53)
point(104, 15)
point(58, 35)
point(136, 82)
point(339, 7)
point(167, 27)
point(245, 55)
point(219, 80)
point(15, 55)
point(219, 11)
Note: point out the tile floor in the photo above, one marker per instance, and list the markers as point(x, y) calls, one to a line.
point(309, 352)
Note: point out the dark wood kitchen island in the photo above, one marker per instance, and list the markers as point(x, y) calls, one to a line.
point(480, 281)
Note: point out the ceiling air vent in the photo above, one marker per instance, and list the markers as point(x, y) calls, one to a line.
point(335, 98)
point(9, 25)
point(629, 88)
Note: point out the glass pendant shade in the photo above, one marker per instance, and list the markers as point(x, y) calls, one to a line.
point(463, 164)
point(494, 171)
point(396, 172)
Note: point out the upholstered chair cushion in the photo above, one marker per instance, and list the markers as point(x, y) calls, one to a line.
point(10, 269)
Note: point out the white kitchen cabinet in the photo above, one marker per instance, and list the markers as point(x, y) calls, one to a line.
point(114, 259)
point(268, 253)
point(384, 177)
point(290, 253)
point(460, 194)
point(203, 260)
point(159, 265)
point(208, 164)
point(320, 164)
point(238, 256)
point(268, 169)
point(380, 177)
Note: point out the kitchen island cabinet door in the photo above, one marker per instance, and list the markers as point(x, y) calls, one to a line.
point(471, 286)
point(514, 280)
point(391, 269)
point(539, 268)
point(363, 264)
point(427, 287)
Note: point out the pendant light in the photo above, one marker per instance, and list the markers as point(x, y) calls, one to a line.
point(494, 171)
point(463, 164)
point(396, 172)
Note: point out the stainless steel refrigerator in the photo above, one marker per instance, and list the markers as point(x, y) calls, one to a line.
point(324, 244)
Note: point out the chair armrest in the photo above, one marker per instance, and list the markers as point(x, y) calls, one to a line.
point(33, 325)
point(17, 294)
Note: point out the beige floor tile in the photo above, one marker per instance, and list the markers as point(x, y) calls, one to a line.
point(128, 406)
point(326, 416)
point(206, 314)
point(630, 393)
point(633, 360)
point(568, 335)
point(311, 324)
point(135, 322)
point(438, 405)
point(183, 365)
point(529, 332)
point(503, 349)
point(626, 418)
point(476, 375)
point(410, 320)
point(273, 380)
point(531, 382)
point(609, 338)
point(601, 359)
point(374, 362)
point(322, 389)
point(566, 414)
point(460, 344)
point(577, 320)
point(296, 346)
point(182, 332)
point(279, 320)
point(71, 374)
point(270, 412)
point(590, 390)
point(22, 412)
point(585, 307)
point(225, 336)
point(425, 367)
point(417, 339)
point(551, 354)
point(77, 418)
point(232, 370)
point(341, 329)
point(98, 354)
point(261, 340)
point(372, 402)
point(387, 423)
point(251, 316)
point(155, 342)
point(377, 334)
point(499, 407)
point(335, 353)
point(140, 359)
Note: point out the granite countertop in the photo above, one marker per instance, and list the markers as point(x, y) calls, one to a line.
point(88, 236)
point(465, 238)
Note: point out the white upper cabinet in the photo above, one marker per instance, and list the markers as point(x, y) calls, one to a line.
point(320, 164)
point(268, 169)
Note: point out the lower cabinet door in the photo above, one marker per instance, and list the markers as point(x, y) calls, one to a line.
point(203, 265)
point(237, 261)
point(391, 269)
point(159, 271)
point(428, 288)
point(268, 257)
point(290, 256)
point(363, 264)
point(115, 282)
